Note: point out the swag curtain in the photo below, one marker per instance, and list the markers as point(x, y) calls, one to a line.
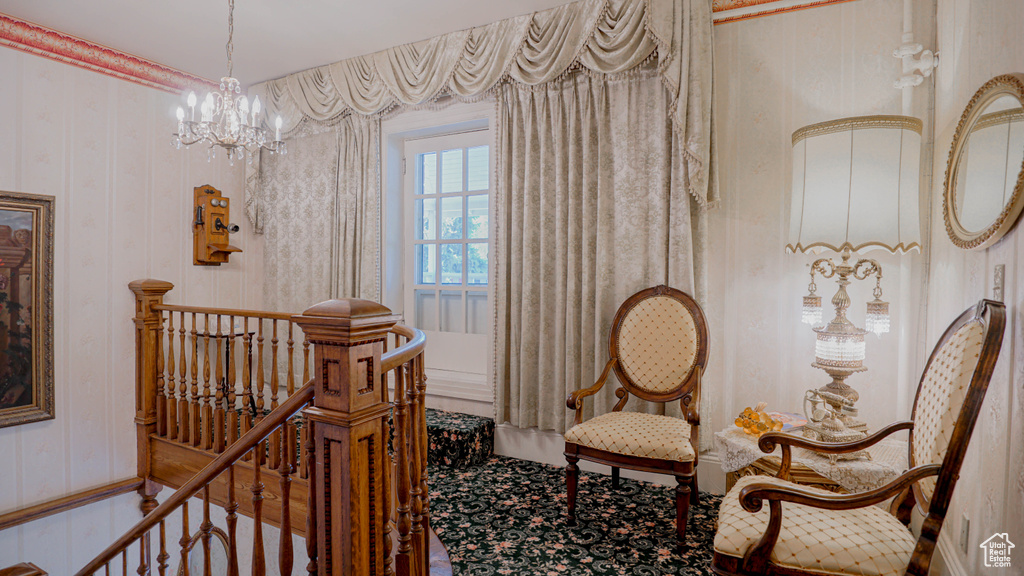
point(599, 36)
point(591, 207)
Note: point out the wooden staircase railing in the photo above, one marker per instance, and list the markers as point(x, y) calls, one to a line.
point(347, 481)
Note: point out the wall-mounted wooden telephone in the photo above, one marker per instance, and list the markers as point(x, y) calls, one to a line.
point(210, 228)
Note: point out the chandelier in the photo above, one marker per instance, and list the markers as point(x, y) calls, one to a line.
point(225, 117)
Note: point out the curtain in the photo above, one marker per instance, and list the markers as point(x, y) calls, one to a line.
point(591, 207)
point(600, 36)
point(322, 222)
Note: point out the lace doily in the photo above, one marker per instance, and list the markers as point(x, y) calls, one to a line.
point(888, 460)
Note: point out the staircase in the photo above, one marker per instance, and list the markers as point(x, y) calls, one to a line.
point(314, 461)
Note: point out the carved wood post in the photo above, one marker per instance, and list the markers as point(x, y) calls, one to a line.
point(349, 416)
point(148, 323)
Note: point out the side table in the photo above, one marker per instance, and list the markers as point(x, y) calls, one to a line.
point(741, 456)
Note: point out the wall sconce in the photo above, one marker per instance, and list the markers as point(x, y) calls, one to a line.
point(211, 226)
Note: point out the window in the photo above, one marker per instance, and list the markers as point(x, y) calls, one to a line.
point(448, 193)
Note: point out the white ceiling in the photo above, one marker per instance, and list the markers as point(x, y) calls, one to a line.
point(272, 37)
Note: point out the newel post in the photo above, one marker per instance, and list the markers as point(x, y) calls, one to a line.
point(349, 416)
point(148, 324)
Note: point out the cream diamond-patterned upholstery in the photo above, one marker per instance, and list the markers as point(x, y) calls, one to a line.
point(943, 389)
point(657, 344)
point(636, 434)
point(861, 542)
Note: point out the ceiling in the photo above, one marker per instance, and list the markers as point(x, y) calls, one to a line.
point(272, 37)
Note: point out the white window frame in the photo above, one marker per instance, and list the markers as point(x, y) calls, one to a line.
point(413, 148)
point(455, 372)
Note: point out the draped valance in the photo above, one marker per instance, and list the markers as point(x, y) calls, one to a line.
point(600, 36)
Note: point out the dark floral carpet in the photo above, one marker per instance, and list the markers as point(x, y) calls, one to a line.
point(507, 516)
point(458, 440)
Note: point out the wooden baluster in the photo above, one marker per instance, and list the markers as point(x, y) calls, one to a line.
point(185, 541)
point(304, 456)
point(259, 567)
point(421, 388)
point(285, 554)
point(260, 376)
point(218, 405)
point(161, 396)
point(163, 556)
point(124, 562)
point(144, 555)
point(195, 434)
point(172, 402)
point(232, 408)
point(403, 559)
point(290, 383)
point(309, 448)
point(275, 436)
point(184, 410)
point(389, 569)
point(247, 397)
point(106, 569)
point(305, 359)
point(232, 521)
point(206, 435)
point(415, 470)
point(206, 529)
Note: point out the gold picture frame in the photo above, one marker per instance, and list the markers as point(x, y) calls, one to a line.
point(975, 117)
point(26, 308)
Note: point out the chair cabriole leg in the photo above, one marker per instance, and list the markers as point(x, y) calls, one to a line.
point(682, 506)
point(572, 476)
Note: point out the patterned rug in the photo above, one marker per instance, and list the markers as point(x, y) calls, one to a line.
point(507, 516)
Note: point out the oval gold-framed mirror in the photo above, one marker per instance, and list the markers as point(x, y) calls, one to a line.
point(984, 188)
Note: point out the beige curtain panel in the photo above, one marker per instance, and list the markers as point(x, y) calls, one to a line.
point(591, 208)
point(602, 36)
point(322, 222)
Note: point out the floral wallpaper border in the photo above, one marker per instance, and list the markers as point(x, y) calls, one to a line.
point(737, 10)
point(34, 39)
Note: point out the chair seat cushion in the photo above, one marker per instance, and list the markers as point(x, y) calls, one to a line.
point(635, 434)
point(862, 542)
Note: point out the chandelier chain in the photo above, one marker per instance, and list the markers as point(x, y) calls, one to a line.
point(231, 34)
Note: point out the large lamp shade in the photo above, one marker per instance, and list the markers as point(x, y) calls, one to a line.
point(855, 185)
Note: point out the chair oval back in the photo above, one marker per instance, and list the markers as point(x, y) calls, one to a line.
point(950, 394)
point(659, 336)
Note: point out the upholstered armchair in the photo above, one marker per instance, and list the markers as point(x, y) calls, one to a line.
point(658, 349)
point(817, 532)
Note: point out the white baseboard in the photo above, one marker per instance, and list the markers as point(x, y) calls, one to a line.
point(547, 447)
point(949, 560)
point(460, 385)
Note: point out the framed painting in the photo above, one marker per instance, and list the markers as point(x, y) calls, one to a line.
point(26, 308)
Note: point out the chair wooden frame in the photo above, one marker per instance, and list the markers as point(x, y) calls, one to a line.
point(905, 489)
point(687, 392)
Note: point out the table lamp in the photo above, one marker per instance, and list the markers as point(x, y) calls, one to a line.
point(855, 189)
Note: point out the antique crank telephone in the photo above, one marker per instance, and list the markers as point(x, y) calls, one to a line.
point(211, 227)
point(827, 416)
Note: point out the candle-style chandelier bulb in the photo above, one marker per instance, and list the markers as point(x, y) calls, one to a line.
point(225, 119)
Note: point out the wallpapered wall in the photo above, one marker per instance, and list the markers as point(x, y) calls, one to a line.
point(123, 209)
point(773, 76)
point(980, 39)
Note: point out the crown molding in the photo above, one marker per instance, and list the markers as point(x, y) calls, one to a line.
point(725, 11)
point(48, 43)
